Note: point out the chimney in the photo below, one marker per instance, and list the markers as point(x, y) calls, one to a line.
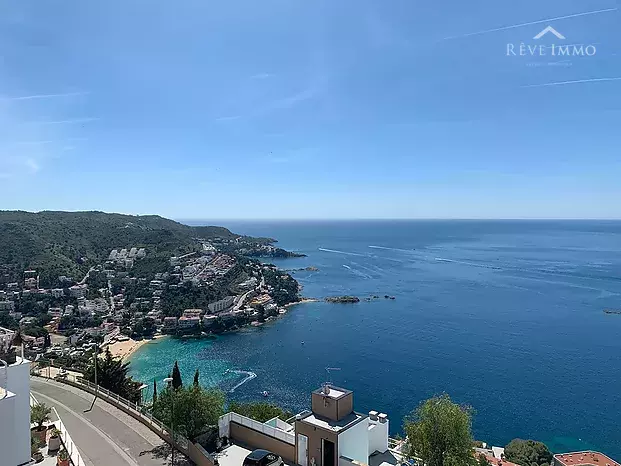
point(383, 426)
point(378, 432)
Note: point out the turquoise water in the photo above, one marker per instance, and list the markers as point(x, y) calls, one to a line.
point(504, 316)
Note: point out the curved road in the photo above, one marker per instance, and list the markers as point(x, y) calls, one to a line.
point(106, 435)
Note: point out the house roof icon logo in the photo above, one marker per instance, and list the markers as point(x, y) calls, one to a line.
point(549, 29)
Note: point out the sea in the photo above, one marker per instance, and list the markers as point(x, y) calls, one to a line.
point(504, 316)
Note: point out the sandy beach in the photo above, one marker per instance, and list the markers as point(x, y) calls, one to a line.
point(302, 301)
point(124, 349)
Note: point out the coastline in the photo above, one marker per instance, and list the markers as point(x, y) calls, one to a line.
point(302, 301)
point(124, 349)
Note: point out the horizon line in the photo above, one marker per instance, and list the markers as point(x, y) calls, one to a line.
point(302, 219)
point(380, 219)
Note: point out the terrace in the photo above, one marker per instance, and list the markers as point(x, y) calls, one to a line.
point(331, 434)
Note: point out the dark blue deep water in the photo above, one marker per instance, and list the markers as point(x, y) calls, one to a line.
point(506, 316)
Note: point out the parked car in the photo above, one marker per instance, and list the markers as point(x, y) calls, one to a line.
point(263, 458)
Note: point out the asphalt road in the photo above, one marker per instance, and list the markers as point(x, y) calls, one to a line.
point(105, 436)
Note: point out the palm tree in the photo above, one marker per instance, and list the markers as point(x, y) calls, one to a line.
point(40, 413)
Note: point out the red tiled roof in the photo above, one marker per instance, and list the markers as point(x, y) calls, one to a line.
point(585, 458)
point(496, 462)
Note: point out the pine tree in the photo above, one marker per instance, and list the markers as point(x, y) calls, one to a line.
point(154, 391)
point(196, 384)
point(176, 376)
point(112, 374)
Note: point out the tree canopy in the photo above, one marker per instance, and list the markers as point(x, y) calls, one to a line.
point(259, 411)
point(69, 243)
point(528, 453)
point(176, 377)
point(189, 410)
point(112, 374)
point(40, 413)
point(439, 432)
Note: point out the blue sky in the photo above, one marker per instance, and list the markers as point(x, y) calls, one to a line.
point(316, 109)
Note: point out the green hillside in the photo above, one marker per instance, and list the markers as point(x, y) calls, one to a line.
point(68, 243)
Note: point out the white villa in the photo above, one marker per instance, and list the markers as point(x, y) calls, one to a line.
point(15, 411)
point(330, 434)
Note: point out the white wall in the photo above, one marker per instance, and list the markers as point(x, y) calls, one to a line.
point(18, 382)
point(8, 436)
point(378, 436)
point(354, 442)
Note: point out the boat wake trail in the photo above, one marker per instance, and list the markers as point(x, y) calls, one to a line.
point(357, 272)
point(393, 249)
point(471, 264)
point(368, 269)
point(249, 376)
point(341, 252)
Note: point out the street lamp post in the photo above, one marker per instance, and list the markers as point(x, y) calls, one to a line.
point(169, 380)
point(95, 354)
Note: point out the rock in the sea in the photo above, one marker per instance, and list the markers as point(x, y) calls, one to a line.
point(343, 299)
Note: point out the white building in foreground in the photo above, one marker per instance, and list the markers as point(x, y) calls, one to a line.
point(330, 434)
point(15, 412)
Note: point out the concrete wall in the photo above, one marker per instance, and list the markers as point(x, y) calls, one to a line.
point(332, 408)
point(354, 442)
point(315, 434)
point(324, 406)
point(8, 436)
point(345, 405)
point(256, 439)
point(199, 455)
point(378, 434)
point(18, 382)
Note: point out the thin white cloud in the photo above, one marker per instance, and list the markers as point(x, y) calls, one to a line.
point(278, 104)
point(32, 143)
point(68, 121)
point(514, 26)
point(296, 155)
point(27, 145)
point(228, 118)
point(261, 76)
point(577, 81)
point(44, 96)
point(32, 164)
point(292, 100)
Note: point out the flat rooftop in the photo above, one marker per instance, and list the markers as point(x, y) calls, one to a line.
point(585, 458)
point(331, 424)
point(334, 392)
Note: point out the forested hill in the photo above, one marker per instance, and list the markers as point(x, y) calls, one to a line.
point(68, 243)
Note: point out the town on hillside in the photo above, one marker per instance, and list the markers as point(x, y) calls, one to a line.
point(215, 289)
